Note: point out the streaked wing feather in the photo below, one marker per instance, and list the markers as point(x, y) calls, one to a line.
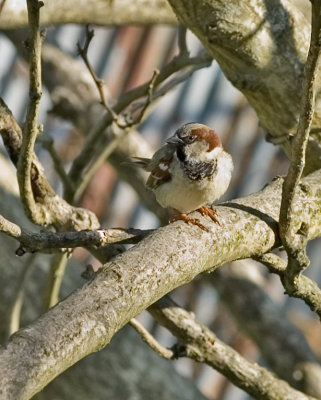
point(157, 177)
point(159, 166)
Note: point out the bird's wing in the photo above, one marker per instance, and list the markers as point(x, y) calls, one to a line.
point(159, 166)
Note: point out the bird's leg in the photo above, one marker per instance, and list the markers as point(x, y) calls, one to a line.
point(210, 212)
point(184, 217)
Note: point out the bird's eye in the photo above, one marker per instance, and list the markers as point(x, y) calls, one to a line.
point(191, 138)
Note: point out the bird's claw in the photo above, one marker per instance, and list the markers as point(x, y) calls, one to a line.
point(210, 212)
point(188, 220)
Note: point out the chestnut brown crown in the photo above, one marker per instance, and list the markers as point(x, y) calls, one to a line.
point(195, 132)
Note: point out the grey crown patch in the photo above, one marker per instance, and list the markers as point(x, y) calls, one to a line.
point(198, 170)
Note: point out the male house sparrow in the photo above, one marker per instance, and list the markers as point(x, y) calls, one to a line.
point(189, 172)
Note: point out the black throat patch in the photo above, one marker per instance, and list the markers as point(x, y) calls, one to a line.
point(198, 170)
point(195, 170)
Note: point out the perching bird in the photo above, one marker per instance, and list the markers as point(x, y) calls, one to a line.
point(189, 172)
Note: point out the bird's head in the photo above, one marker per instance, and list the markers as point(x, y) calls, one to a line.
point(195, 140)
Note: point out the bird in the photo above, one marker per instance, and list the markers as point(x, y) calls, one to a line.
point(189, 172)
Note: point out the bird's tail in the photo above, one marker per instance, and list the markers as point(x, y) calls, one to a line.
point(137, 162)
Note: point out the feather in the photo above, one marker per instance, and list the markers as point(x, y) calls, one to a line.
point(198, 170)
point(138, 162)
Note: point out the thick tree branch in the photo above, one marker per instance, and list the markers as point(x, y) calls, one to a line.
point(261, 46)
point(101, 12)
point(200, 344)
point(127, 352)
point(134, 280)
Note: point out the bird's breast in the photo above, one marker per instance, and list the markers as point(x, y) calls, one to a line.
point(195, 186)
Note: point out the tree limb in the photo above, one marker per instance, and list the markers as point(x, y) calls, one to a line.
point(261, 46)
point(31, 129)
point(166, 259)
point(101, 12)
point(53, 209)
point(200, 344)
point(51, 241)
point(294, 236)
point(129, 357)
point(282, 346)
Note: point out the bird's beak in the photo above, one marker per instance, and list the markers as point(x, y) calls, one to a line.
point(175, 140)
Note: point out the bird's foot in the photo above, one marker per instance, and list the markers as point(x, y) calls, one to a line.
point(210, 212)
point(187, 219)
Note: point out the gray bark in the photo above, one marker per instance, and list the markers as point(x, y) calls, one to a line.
point(283, 347)
point(126, 369)
point(261, 46)
point(168, 258)
point(102, 12)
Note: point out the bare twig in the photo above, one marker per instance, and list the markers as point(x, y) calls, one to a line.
point(83, 180)
point(150, 340)
point(301, 287)
point(31, 129)
point(293, 230)
point(52, 209)
point(14, 314)
point(274, 263)
point(41, 203)
point(55, 241)
point(155, 88)
point(83, 52)
point(10, 228)
point(48, 144)
point(47, 208)
point(54, 280)
point(130, 120)
point(120, 131)
point(200, 344)
point(123, 123)
point(180, 63)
